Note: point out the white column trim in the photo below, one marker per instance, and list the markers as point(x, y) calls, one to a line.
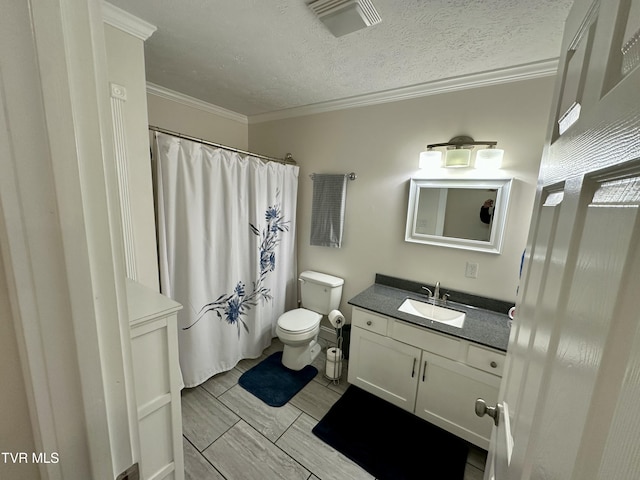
point(118, 98)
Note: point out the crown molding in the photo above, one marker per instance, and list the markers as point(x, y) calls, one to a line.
point(529, 71)
point(168, 94)
point(118, 18)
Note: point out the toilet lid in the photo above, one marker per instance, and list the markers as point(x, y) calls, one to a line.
point(299, 320)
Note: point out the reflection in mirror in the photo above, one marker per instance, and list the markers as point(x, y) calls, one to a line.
point(463, 213)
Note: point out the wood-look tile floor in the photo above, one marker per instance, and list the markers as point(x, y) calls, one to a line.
point(230, 434)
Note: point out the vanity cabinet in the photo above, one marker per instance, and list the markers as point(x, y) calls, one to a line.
point(436, 376)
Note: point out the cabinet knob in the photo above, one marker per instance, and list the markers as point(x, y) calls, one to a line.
point(369, 322)
point(493, 364)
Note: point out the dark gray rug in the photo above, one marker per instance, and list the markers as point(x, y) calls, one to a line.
point(389, 442)
point(273, 383)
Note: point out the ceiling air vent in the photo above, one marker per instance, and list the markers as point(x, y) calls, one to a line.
point(345, 16)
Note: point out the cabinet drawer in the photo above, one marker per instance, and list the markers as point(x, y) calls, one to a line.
point(422, 338)
point(369, 321)
point(487, 360)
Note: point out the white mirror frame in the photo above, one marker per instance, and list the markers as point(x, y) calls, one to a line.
point(494, 245)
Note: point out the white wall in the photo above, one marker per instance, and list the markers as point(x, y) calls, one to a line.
point(188, 116)
point(381, 144)
point(125, 56)
point(15, 423)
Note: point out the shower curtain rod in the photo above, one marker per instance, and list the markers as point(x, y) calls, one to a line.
point(287, 160)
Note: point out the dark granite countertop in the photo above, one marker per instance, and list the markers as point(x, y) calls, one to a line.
point(484, 326)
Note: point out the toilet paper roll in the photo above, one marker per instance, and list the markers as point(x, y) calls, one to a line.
point(334, 354)
point(333, 366)
point(336, 318)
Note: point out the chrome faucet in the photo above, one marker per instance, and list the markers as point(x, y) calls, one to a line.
point(435, 296)
point(429, 294)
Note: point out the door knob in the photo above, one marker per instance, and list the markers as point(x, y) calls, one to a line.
point(493, 412)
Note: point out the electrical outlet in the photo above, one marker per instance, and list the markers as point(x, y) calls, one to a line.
point(472, 270)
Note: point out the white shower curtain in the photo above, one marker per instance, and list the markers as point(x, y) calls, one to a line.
point(226, 241)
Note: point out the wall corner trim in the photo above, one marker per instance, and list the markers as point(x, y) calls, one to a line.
point(122, 20)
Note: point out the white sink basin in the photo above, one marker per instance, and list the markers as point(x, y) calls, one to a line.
point(429, 311)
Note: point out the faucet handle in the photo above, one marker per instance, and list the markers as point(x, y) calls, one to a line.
point(445, 297)
point(429, 293)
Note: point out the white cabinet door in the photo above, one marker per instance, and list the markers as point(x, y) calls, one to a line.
point(384, 367)
point(447, 392)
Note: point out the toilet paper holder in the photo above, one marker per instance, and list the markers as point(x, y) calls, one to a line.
point(333, 367)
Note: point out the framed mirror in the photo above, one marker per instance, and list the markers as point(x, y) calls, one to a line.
point(458, 213)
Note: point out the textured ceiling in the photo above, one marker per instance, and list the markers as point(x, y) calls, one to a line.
point(259, 56)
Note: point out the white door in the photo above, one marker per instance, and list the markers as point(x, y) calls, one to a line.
point(568, 399)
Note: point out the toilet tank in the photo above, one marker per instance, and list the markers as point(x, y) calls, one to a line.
point(320, 292)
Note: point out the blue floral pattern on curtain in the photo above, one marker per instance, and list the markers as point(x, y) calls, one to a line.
point(232, 307)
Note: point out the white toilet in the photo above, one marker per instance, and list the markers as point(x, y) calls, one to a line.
point(298, 329)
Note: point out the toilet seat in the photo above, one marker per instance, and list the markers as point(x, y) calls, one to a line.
point(299, 321)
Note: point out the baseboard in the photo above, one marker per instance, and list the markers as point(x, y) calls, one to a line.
point(328, 333)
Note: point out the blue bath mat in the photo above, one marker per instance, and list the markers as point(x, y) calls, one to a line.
point(273, 383)
point(389, 442)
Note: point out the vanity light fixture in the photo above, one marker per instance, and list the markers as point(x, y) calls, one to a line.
point(458, 154)
point(458, 157)
point(430, 158)
point(489, 158)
